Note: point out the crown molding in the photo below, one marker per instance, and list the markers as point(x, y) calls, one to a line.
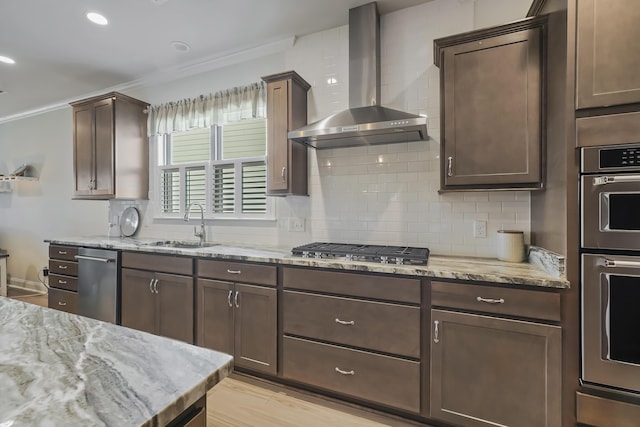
point(198, 66)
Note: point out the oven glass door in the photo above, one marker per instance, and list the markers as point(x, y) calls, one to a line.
point(610, 320)
point(611, 211)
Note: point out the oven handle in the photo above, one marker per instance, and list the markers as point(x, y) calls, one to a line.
point(610, 263)
point(602, 180)
point(606, 327)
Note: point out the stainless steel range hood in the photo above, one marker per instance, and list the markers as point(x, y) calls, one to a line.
point(365, 122)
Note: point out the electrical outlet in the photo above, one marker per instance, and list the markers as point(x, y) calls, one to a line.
point(296, 224)
point(479, 228)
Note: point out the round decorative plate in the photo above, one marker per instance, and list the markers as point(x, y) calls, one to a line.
point(129, 221)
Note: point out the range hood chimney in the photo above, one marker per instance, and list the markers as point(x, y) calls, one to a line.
point(365, 122)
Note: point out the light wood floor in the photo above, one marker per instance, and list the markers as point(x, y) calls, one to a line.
point(241, 401)
point(28, 296)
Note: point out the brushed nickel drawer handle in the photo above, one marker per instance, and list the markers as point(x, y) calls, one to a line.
point(436, 332)
point(62, 282)
point(234, 271)
point(62, 252)
point(62, 303)
point(345, 322)
point(340, 371)
point(62, 267)
point(490, 300)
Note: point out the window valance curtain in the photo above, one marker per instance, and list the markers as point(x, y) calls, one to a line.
point(238, 103)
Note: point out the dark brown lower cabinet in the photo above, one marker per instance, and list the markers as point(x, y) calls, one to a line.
point(238, 319)
point(158, 303)
point(63, 300)
point(489, 371)
point(383, 379)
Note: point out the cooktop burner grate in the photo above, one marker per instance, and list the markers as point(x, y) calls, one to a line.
point(356, 252)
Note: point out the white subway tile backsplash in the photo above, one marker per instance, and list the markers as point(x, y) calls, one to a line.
point(388, 194)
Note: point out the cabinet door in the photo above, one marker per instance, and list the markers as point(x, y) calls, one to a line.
point(175, 306)
point(608, 54)
point(138, 306)
point(83, 149)
point(492, 112)
point(214, 315)
point(487, 371)
point(255, 328)
point(104, 148)
point(277, 141)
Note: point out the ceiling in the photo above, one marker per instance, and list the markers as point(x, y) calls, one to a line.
point(61, 56)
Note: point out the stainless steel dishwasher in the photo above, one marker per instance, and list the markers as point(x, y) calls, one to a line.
point(98, 287)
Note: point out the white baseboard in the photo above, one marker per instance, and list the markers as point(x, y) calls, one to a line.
point(27, 285)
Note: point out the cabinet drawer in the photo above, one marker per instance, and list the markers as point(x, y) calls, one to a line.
point(63, 252)
point(353, 284)
point(390, 328)
point(63, 282)
point(382, 379)
point(159, 263)
point(488, 299)
point(63, 300)
point(238, 272)
point(611, 129)
point(66, 268)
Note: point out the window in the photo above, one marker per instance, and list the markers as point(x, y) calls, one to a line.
point(222, 167)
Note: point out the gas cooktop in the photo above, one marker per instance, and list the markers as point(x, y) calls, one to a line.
point(357, 252)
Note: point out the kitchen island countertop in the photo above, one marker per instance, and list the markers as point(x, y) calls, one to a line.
point(58, 368)
point(443, 267)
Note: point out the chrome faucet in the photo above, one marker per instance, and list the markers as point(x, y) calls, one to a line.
point(202, 234)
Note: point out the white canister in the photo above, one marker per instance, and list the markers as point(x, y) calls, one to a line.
point(510, 245)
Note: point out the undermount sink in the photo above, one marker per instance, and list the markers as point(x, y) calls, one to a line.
point(183, 244)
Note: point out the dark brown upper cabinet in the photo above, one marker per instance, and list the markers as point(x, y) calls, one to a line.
point(491, 107)
point(286, 111)
point(110, 148)
point(608, 53)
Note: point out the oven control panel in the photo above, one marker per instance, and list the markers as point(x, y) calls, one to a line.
point(610, 159)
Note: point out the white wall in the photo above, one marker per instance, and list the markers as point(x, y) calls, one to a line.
point(382, 194)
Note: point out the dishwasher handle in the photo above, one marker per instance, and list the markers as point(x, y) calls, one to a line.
point(93, 258)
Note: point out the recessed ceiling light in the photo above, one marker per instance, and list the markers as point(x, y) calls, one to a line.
point(180, 46)
point(7, 60)
point(96, 18)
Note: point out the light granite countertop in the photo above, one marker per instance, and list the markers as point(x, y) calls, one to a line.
point(62, 369)
point(444, 267)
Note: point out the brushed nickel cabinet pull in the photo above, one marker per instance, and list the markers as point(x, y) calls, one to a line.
point(155, 286)
point(284, 171)
point(436, 331)
point(62, 303)
point(235, 300)
point(229, 299)
point(62, 252)
point(490, 300)
point(62, 282)
point(345, 322)
point(342, 372)
point(151, 285)
point(234, 271)
point(450, 167)
point(62, 267)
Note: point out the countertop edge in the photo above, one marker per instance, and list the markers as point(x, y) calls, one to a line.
point(439, 267)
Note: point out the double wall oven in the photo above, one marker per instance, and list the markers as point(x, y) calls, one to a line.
point(610, 277)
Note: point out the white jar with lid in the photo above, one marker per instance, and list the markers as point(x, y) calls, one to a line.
point(510, 245)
